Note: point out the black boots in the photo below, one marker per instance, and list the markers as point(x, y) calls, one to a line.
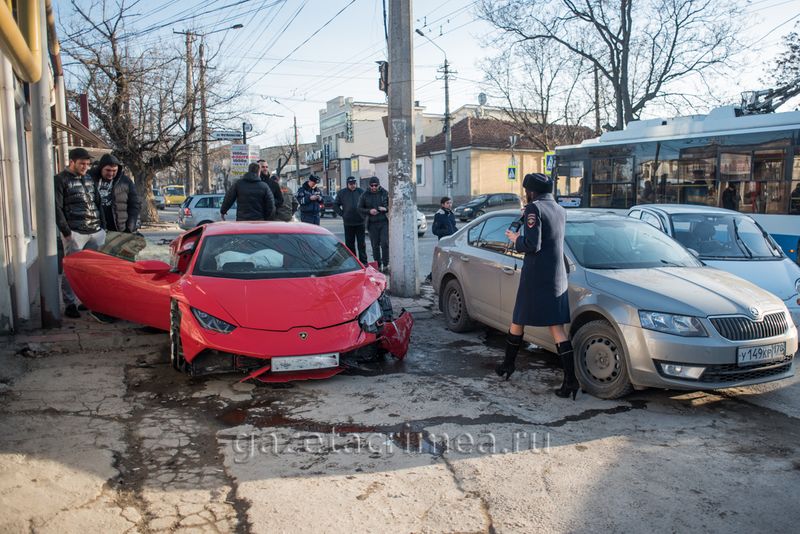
point(512, 348)
point(570, 386)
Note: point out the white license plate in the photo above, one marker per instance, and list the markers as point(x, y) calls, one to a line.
point(760, 354)
point(305, 363)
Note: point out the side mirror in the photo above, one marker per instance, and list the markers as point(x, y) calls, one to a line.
point(151, 267)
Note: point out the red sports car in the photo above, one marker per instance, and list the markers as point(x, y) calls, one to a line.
point(278, 301)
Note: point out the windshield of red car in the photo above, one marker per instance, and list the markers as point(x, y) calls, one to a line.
point(624, 244)
point(263, 256)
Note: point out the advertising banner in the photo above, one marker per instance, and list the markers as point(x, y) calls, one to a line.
point(241, 157)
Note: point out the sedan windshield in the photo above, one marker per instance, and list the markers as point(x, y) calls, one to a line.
point(724, 236)
point(477, 200)
point(262, 256)
point(624, 244)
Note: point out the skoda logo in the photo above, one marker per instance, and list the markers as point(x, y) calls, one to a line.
point(754, 312)
point(303, 335)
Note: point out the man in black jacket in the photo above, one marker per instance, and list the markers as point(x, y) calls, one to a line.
point(119, 200)
point(347, 207)
point(274, 186)
point(374, 204)
point(78, 216)
point(253, 198)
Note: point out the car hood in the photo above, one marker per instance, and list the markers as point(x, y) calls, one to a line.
point(697, 291)
point(285, 303)
point(777, 277)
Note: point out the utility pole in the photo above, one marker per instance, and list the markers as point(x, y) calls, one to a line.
point(296, 154)
point(403, 254)
point(596, 101)
point(448, 137)
point(206, 175)
point(189, 178)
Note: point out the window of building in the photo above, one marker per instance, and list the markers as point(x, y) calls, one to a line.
point(420, 176)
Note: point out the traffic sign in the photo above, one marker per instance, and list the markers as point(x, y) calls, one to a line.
point(512, 172)
point(226, 135)
point(549, 161)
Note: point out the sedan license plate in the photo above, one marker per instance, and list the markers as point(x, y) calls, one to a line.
point(760, 354)
point(305, 363)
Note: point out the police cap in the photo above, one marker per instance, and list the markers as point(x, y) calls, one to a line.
point(537, 182)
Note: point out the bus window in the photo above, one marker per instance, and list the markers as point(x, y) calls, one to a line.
point(612, 183)
point(569, 182)
point(794, 197)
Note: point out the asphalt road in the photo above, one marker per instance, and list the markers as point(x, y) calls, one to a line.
point(425, 245)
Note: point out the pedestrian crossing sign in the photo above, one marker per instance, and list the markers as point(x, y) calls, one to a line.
point(512, 172)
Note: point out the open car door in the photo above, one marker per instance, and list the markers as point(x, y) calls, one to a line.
point(135, 291)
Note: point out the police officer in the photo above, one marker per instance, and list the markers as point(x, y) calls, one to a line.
point(308, 197)
point(542, 298)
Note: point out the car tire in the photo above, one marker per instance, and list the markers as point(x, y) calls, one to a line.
point(600, 361)
point(478, 214)
point(456, 316)
point(175, 345)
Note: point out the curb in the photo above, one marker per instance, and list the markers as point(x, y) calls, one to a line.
point(84, 338)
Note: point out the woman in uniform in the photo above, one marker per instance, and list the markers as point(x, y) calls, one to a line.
point(542, 298)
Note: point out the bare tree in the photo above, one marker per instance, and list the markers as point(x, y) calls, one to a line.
point(640, 48)
point(787, 65)
point(544, 93)
point(137, 94)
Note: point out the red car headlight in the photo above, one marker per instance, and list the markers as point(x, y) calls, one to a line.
point(209, 322)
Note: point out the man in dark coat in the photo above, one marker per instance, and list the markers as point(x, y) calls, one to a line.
point(308, 197)
point(542, 298)
point(730, 197)
point(119, 199)
point(347, 207)
point(374, 204)
point(253, 198)
point(444, 220)
point(78, 216)
point(274, 186)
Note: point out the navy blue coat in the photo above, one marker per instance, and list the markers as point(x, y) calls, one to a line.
point(309, 209)
point(542, 298)
point(444, 223)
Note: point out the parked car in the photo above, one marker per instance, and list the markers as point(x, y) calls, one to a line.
point(158, 199)
point(422, 223)
point(645, 312)
point(203, 209)
point(486, 203)
point(278, 301)
point(174, 195)
point(730, 241)
point(327, 206)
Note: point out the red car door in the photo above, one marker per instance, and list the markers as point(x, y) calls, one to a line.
point(135, 291)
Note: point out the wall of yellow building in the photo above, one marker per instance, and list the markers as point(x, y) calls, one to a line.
point(489, 170)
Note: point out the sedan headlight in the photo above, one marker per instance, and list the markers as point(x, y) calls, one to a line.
point(209, 322)
point(679, 325)
point(467, 210)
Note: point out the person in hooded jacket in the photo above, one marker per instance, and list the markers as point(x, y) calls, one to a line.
point(308, 197)
point(119, 199)
point(347, 207)
point(286, 210)
point(374, 205)
point(253, 198)
point(274, 186)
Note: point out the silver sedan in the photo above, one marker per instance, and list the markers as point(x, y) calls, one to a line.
point(645, 311)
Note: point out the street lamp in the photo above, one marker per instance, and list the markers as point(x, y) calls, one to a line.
point(448, 138)
point(190, 104)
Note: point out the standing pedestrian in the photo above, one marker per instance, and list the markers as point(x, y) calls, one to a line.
point(254, 200)
point(347, 207)
point(374, 205)
point(730, 197)
point(542, 298)
point(308, 197)
point(79, 217)
point(118, 197)
point(285, 211)
point(274, 186)
point(444, 221)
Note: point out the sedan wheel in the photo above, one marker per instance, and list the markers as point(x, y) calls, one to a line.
point(478, 214)
point(455, 309)
point(601, 364)
point(175, 345)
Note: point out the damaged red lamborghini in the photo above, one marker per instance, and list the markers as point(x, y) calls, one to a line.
point(277, 301)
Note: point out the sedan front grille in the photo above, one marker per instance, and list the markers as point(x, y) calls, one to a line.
point(744, 328)
point(734, 373)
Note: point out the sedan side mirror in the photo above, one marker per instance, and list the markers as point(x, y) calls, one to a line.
point(568, 264)
point(151, 267)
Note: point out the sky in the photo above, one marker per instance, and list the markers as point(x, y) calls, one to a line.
point(294, 55)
